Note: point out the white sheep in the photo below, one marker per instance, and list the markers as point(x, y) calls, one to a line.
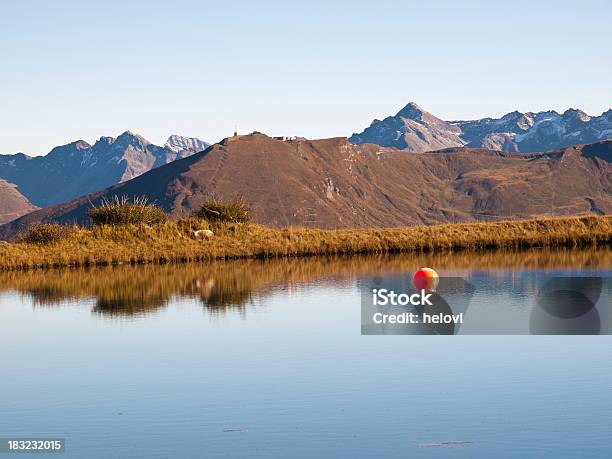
point(202, 234)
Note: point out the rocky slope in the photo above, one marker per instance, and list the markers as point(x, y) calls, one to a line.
point(414, 129)
point(75, 169)
point(12, 203)
point(332, 183)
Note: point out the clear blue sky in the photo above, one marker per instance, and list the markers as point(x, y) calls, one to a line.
point(70, 70)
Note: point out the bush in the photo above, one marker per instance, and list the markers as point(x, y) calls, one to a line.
point(120, 211)
point(215, 210)
point(46, 233)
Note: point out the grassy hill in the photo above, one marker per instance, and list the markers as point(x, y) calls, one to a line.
point(331, 183)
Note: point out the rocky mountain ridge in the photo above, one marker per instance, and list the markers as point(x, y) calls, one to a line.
point(415, 129)
point(78, 168)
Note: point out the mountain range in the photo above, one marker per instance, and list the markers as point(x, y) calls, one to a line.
point(415, 129)
point(332, 183)
point(78, 168)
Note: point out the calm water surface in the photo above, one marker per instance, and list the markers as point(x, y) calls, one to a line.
point(265, 359)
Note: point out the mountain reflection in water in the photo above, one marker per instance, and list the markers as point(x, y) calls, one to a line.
point(220, 286)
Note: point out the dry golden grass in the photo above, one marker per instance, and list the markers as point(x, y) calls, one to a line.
point(172, 242)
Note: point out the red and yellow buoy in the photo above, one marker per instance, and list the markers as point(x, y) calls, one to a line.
point(425, 279)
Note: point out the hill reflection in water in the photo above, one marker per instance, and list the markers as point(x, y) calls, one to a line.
point(129, 291)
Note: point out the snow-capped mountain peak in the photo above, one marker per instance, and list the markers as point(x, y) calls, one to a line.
point(78, 168)
point(178, 143)
point(411, 111)
point(414, 129)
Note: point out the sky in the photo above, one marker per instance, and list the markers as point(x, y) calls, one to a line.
point(81, 70)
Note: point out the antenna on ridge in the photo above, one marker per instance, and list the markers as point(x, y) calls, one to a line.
point(235, 130)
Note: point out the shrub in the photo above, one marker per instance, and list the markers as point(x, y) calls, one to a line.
point(122, 211)
point(46, 233)
point(215, 210)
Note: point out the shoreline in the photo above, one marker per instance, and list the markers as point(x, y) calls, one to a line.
point(172, 242)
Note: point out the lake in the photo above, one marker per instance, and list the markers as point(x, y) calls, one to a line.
point(266, 359)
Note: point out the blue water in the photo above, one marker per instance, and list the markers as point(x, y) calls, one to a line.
point(289, 375)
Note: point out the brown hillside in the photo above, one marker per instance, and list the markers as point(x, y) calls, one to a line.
point(331, 183)
point(12, 203)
